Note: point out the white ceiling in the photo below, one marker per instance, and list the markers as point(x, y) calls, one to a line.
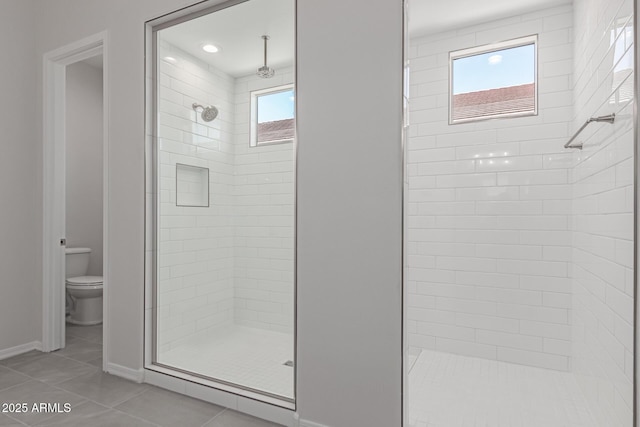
point(432, 16)
point(238, 30)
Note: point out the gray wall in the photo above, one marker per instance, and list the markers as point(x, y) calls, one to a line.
point(84, 161)
point(61, 22)
point(349, 212)
point(20, 176)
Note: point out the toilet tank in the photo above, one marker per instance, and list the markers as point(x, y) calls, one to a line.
point(77, 261)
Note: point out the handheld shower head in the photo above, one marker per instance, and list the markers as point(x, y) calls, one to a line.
point(208, 113)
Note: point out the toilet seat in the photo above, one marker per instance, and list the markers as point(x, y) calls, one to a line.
point(84, 282)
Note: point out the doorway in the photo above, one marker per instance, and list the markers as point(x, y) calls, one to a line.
point(75, 190)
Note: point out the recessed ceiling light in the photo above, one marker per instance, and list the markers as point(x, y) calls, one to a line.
point(209, 48)
point(170, 59)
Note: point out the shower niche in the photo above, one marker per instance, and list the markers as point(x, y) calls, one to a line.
point(221, 297)
point(192, 186)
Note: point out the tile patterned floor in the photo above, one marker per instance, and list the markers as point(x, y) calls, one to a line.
point(74, 376)
point(447, 390)
point(247, 356)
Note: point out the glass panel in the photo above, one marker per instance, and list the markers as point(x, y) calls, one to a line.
point(225, 269)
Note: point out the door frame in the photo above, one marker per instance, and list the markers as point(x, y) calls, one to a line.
point(54, 192)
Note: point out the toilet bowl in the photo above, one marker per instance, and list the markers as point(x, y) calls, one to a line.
point(86, 300)
point(84, 292)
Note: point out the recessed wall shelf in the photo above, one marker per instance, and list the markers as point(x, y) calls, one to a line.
point(192, 186)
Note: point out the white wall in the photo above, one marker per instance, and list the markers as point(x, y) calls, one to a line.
point(264, 218)
point(488, 205)
point(195, 244)
point(84, 161)
point(231, 261)
point(20, 176)
point(349, 188)
point(602, 181)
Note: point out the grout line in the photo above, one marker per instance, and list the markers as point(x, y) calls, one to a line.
point(215, 416)
point(134, 416)
point(16, 420)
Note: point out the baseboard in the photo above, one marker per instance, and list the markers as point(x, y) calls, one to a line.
point(19, 349)
point(136, 375)
point(306, 423)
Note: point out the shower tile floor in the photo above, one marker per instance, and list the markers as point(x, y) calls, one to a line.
point(448, 390)
point(245, 356)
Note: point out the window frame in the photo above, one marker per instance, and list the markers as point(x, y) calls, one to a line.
point(488, 48)
point(253, 115)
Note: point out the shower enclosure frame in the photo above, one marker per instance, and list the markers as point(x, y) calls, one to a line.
point(220, 390)
point(636, 199)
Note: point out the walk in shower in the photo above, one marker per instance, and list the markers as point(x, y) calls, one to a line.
point(519, 284)
point(223, 197)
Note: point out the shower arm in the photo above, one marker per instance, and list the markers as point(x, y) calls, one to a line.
point(265, 38)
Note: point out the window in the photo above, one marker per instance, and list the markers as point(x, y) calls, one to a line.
point(493, 81)
point(272, 116)
point(623, 62)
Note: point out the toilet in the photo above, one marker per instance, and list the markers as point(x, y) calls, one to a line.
point(84, 293)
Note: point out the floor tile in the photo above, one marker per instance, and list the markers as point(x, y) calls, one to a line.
point(249, 357)
point(36, 392)
point(231, 418)
point(103, 388)
point(451, 390)
point(89, 333)
point(9, 378)
point(6, 421)
point(83, 411)
point(96, 362)
point(23, 358)
point(110, 418)
point(50, 368)
point(81, 350)
point(169, 409)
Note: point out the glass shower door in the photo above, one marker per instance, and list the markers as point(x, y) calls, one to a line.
point(224, 286)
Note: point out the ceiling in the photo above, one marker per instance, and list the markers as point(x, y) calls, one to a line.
point(238, 30)
point(432, 16)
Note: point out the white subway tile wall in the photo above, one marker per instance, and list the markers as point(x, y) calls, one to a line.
point(602, 216)
point(489, 240)
point(231, 262)
point(264, 215)
point(195, 244)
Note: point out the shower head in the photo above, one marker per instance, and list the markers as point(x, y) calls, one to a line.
point(208, 113)
point(265, 71)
